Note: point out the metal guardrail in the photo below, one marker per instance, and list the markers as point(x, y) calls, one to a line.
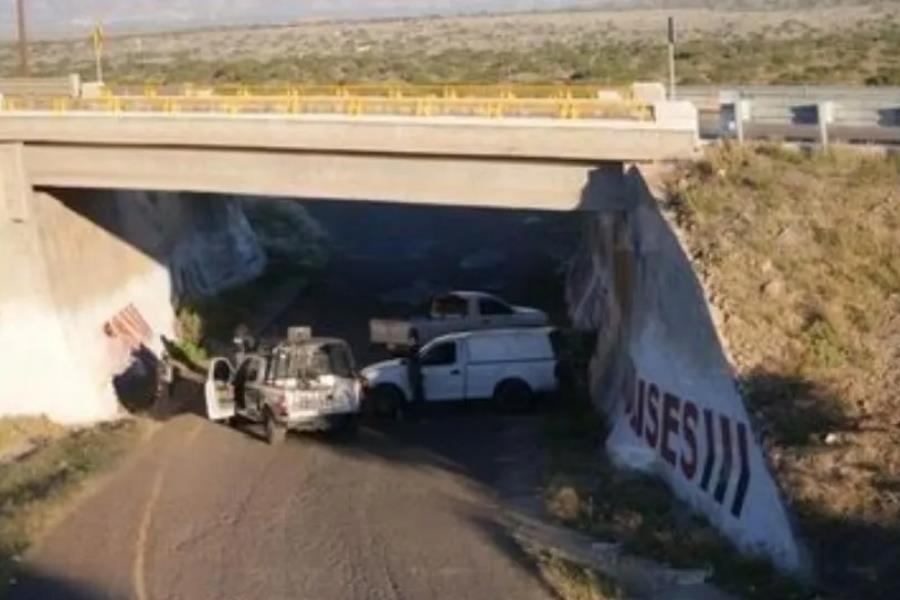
point(817, 113)
point(810, 92)
point(496, 107)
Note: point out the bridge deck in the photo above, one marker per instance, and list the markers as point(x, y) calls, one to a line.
point(582, 140)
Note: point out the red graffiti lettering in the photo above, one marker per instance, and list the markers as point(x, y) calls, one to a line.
point(651, 431)
point(744, 478)
point(725, 467)
point(670, 426)
point(673, 427)
point(689, 423)
point(128, 326)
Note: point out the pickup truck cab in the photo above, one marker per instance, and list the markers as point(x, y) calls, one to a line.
point(303, 384)
point(509, 366)
point(453, 312)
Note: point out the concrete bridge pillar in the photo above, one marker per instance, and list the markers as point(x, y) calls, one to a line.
point(84, 298)
point(39, 371)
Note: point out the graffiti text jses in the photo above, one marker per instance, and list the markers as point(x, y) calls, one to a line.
point(692, 440)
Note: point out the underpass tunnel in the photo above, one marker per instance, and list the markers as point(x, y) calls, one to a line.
point(389, 260)
point(94, 280)
point(125, 273)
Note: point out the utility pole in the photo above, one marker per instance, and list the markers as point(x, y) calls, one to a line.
point(23, 38)
point(97, 40)
point(671, 58)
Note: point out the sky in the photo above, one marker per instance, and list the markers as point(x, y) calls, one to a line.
point(74, 18)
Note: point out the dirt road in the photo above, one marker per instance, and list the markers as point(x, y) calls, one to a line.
point(202, 511)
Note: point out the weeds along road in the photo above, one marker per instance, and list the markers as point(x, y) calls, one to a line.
point(407, 510)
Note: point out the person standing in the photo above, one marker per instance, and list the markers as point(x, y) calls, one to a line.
point(414, 373)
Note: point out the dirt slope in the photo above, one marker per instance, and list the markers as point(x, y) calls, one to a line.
point(801, 258)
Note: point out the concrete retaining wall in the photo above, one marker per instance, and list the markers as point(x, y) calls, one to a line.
point(660, 374)
point(87, 290)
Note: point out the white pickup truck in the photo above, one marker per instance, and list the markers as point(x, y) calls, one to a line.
point(452, 312)
point(303, 383)
point(512, 367)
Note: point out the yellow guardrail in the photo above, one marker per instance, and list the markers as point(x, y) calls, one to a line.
point(496, 107)
point(389, 90)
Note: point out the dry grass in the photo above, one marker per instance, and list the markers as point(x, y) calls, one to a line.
point(585, 491)
point(574, 582)
point(801, 255)
point(36, 488)
point(852, 44)
point(19, 433)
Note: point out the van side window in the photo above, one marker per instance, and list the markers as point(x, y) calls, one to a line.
point(489, 306)
point(440, 354)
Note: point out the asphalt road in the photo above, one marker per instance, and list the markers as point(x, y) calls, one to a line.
point(404, 510)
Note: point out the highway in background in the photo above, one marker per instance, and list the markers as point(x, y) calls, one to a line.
point(860, 115)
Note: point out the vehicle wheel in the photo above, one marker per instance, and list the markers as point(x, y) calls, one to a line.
point(275, 431)
point(388, 401)
point(513, 396)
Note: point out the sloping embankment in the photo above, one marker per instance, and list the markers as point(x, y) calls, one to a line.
point(800, 255)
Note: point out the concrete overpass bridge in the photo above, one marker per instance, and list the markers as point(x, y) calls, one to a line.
point(452, 149)
point(89, 277)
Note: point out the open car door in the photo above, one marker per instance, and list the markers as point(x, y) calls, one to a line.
point(219, 390)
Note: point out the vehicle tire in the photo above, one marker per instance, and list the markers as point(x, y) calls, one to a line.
point(513, 395)
point(275, 431)
point(388, 401)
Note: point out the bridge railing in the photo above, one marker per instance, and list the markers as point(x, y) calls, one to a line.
point(294, 104)
point(68, 85)
point(388, 90)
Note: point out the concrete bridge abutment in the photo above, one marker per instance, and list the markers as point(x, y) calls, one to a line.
point(43, 368)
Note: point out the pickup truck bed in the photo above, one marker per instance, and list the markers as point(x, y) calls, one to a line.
point(452, 313)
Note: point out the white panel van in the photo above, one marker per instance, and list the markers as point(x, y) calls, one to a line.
point(510, 366)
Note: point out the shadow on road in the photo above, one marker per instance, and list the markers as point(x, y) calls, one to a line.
point(499, 455)
point(37, 585)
